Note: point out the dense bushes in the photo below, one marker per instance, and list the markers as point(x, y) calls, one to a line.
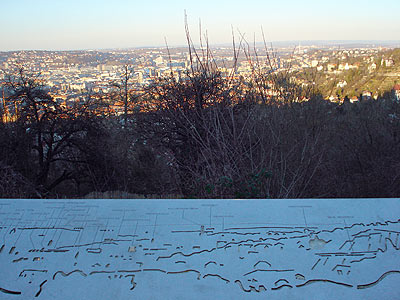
point(207, 136)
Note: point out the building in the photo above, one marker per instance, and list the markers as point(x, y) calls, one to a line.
point(372, 67)
point(331, 67)
point(387, 62)
point(396, 90)
point(314, 63)
point(366, 95)
point(354, 99)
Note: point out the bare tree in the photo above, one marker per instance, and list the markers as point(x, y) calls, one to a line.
point(49, 129)
point(231, 137)
point(124, 90)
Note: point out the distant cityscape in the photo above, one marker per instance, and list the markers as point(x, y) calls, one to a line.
point(70, 75)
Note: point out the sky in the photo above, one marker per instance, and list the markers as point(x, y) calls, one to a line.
point(101, 24)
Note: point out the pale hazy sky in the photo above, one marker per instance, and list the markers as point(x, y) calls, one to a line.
point(94, 24)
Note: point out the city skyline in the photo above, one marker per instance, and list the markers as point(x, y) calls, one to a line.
point(89, 24)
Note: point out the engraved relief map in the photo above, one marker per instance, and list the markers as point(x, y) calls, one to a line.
point(200, 249)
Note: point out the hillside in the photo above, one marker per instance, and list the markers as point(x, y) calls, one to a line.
point(351, 76)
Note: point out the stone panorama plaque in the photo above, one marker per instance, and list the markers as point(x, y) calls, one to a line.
point(200, 249)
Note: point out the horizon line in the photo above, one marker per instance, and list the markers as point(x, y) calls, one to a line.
point(294, 42)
